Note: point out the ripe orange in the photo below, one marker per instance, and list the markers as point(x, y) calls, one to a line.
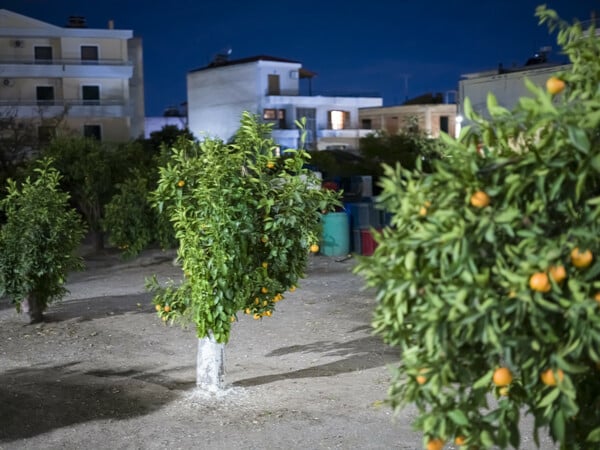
point(314, 248)
point(558, 273)
point(549, 379)
point(580, 259)
point(421, 379)
point(502, 376)
point(460, 440)
point(167, 308)
point(539, 282)
point(555, 85)
point(264, 290)
point(180, 183)
point(247, 311)
point(423, 211)
point(256, 316)
point(158, 308)
point(480, 199)
point(292, 288)
point(435, 444)
point(597, 297)
point(268, 313)
point(270, 165)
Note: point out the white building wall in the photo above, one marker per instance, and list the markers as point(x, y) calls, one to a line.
point(507, 87)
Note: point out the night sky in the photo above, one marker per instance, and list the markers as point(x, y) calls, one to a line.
point(393, 48)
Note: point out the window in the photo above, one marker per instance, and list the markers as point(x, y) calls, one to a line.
point(269, 114)
point(45, 95)
point(281, 118)
point(366, 124)
point(42, 55)
point(92, 131)
point(274, 88)
point(46, 133)
point(90, 95)
point(444, 124)
point(339, 120)
point(89, 54)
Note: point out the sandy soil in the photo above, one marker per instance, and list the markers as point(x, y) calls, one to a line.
point(103, 372)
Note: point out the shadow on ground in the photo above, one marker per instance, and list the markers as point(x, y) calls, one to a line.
point(39, 399)
point(359, 354)
point(99, 307)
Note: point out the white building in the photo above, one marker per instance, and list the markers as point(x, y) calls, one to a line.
point(89, 81)
point(270, 87)
point(508, 85)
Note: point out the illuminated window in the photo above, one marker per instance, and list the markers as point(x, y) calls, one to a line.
point(339, 120)
point(269, 114)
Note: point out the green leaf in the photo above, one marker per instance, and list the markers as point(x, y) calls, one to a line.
point(579, 139)
point(594, 435)
point(458, 417)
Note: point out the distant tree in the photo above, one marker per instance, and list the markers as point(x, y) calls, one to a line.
point(91, 171)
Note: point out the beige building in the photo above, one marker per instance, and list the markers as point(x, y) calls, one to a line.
point(429, 118)
point(72, 78)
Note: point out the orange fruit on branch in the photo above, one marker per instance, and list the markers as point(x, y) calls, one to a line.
point(314, 248)
point(539, 282)
point(502, 376)
point(460, 440)
point(549, 379)
point(480, 199)
point(580, 259)
point(555, 85)
point(558, 273)
point(435, 444)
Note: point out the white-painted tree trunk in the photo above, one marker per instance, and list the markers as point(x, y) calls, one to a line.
point(210, 364)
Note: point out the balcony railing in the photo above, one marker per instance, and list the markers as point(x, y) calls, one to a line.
point(69, 61)
point(301, 93)
point(63, 102)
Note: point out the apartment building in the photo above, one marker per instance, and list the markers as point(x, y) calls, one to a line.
point(72, 78)
point(270, 87)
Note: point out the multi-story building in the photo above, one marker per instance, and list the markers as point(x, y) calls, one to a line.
point(89, 81)
point(270, 87)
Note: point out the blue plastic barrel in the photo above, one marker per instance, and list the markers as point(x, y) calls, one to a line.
point(335, 236)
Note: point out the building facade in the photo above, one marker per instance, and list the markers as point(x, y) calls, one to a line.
point(219, 93)
point(428, 118)
point(508, 85)
point(71, 79)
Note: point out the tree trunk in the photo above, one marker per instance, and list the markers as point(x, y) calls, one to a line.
point(98, 237)
point(34, 308)
point(210, 364)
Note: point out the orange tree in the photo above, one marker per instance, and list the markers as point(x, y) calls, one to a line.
point(245, 219)
point(488, 280)
point(38, 240)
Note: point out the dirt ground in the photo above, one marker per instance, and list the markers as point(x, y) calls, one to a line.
point(103, 372)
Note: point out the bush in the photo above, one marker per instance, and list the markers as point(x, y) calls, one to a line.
point(489, 279)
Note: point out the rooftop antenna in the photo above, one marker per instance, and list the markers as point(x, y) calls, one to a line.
point(222, 57)
point(406, 76)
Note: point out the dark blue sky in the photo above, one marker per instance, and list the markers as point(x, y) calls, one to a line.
point(354, 46)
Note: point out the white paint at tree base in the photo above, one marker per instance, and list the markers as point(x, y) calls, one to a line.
point(210, 364)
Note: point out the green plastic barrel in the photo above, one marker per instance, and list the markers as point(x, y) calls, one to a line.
point(335, 237)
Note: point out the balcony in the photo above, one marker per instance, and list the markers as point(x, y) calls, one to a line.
point(348, 133)
point(300, 93)
point(71, 108)
point(69, 68)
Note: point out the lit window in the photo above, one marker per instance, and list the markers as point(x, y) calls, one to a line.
point(338, 120)
point(269, 114)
